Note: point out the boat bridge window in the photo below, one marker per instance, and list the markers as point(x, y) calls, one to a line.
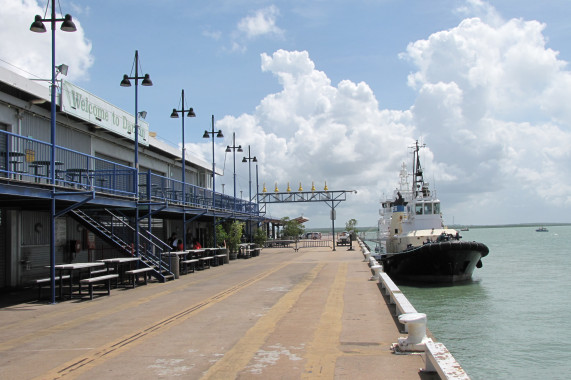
point(418, 209)
point(436, 209)
point(428, 208)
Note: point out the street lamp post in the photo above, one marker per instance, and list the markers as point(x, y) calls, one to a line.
point(234, 148)
point(206, 135)
point(146, 81)
point(249, 160)
point(39, 27)
point(174, 115)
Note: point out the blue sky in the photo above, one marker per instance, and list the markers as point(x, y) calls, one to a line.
point(337, 91)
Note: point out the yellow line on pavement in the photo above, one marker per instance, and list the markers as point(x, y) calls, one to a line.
point(240, 355)
point(63, 324)
point(323, 352)
point(100, 354)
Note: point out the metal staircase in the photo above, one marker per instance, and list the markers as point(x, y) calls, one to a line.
point(150, 251)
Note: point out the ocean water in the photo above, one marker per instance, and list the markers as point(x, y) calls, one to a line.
point(513, 321)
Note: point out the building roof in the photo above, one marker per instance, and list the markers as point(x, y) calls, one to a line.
point(31, 91)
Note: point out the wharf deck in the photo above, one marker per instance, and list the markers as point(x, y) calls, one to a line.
point(284, 314)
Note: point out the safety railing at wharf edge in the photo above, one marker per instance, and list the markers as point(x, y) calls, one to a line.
point(29, 160)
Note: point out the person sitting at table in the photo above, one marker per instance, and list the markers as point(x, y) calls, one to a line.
point(196, 244)
point(171, 241)
point(179, 246)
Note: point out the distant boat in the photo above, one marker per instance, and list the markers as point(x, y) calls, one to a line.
point(464, 229)
point(541, 229)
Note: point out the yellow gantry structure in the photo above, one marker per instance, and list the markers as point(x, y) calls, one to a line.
point(300, 189)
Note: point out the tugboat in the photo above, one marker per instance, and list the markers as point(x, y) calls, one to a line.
point(419, 249)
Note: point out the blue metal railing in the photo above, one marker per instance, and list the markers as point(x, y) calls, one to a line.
point(27, 159)
point(172, 191)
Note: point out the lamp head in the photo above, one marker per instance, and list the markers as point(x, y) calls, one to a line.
point(228, 150)
point(63, 69)
point(67, 25)
point(219, 134)
point(191, 113)
point(174, 114)
point(147, 81)
point(205, 135)
point(254, 159)
point(240, 148)
point(38, 26)
point(244, 159)
point(125, 82)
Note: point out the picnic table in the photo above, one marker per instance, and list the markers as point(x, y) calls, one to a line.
point(74, 270)
point(120, 265)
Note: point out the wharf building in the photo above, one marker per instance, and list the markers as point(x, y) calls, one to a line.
point(97, 193)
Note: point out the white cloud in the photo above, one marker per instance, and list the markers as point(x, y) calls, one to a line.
point(481, 9)
point(31, 52)
point(491, 105)
point(262, 22)
point(215, 35)
point(313, 131)
point(259, 24)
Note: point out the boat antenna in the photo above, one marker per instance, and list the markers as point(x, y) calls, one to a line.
point(417, 176)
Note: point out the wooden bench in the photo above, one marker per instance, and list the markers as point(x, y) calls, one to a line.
point(440, 360)
point(100, 271)
point(205, 262)
point(134, 274)
point(220, 259)
point(186, 263)
point(94, 280)
point(47, 281)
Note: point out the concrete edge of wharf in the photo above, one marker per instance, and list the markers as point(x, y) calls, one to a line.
point(437, 358)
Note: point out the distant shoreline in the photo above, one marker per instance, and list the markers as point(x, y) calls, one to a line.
point(455, 226)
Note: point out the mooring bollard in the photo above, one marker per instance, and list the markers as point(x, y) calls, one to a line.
point(376, 269)
point(416, 340)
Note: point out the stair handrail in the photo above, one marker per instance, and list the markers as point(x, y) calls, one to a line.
point(148, 254)
point(99, 226)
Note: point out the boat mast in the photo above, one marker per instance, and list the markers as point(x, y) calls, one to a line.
point(417, 177)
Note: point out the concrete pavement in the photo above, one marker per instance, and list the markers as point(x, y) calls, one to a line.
point(282, 315)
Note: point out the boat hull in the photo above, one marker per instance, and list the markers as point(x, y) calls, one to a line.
point(443, 262)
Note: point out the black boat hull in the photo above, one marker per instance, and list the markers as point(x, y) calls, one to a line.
point(443, 262)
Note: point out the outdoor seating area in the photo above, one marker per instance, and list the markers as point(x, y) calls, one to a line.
point(101, 276)
point(71, 279)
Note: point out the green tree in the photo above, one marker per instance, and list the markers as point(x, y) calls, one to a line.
point(351, 227)
point(260, 237)
point(292, 229)
point(221, 234)
point(234, 235)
